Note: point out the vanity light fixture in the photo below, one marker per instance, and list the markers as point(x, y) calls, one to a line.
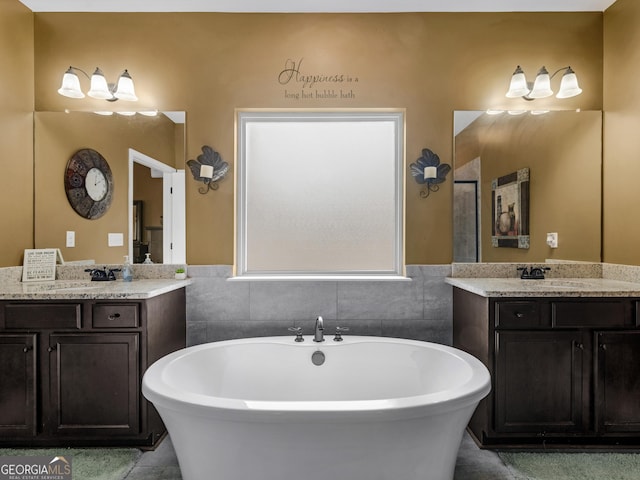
point(209, 168)
point(428, 171)
point(493, 111)
point(146, 113)
point(541, 87)
point(100, 89)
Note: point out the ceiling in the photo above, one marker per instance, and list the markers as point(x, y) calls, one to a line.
point(310, 6)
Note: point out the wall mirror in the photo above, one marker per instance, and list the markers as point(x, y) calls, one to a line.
point(563, 152)
point(320, 193)
point(57, 135)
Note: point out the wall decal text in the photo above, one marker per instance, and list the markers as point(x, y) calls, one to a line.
point(317, 86)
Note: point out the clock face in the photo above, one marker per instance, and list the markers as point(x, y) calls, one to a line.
point(96, 184)
point(88, 183)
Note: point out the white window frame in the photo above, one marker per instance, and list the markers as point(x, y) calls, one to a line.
point(362, 133)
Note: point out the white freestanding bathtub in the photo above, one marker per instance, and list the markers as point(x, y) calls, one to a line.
point(260, 409)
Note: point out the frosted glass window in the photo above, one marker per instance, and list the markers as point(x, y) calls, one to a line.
point(320, 193)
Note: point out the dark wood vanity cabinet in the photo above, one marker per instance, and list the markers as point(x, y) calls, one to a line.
point(94, 384)
point(617, 382)
point(17, 385)
point(564, 370)
point(528, 399)
point(71, 371)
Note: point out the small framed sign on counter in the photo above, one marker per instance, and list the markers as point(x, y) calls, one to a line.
point(40, 264)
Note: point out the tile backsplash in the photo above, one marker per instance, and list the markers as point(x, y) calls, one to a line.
point(218, 309)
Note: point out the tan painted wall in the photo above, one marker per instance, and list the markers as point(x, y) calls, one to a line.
point(210, 64)
point(58, 137)
point(621, 228)
point(16, 131)
point(563, 153)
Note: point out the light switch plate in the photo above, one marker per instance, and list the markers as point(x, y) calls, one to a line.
point(116, 239)
point(71, 238)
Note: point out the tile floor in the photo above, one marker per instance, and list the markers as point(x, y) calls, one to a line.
point(473, 464)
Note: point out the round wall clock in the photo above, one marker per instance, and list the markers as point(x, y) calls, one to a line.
point(89, 183)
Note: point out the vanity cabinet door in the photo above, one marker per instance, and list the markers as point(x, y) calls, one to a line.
point(617, 387)
point(18, 385)
point(94, 384)
point(539, 382)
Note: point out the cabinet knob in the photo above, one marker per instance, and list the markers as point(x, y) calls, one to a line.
point(51, 349)
point(27, 348)
point(519, 315)
point(113, 316)
point(579, 345)
point(603, 346)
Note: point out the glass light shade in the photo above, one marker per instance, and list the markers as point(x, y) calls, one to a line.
point(569, 85)
point(99, 87)
point(70, 85)
point(542, 85)
point(518, 86)
point(126, 114)
point(125, 89)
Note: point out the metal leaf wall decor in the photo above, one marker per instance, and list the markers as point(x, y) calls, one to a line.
point(213, 159)
point(429, 159)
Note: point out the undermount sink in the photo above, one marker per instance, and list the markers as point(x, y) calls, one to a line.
point(71, 289)
point(560, 283)
point(63, 286)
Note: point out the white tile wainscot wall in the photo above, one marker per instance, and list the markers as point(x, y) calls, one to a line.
point(220, 310)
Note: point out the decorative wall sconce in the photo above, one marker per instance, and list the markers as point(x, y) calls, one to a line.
point(541, 87)
point(100, 89)
point(209, 168)
point(428, 171)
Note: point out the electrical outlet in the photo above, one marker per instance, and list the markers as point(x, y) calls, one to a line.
point(71, 238)
point(115, 240)
point(552, 240)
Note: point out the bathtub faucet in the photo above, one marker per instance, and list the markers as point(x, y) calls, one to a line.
point(319, 330)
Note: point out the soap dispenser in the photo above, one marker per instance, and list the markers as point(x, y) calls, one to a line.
point(127, 272)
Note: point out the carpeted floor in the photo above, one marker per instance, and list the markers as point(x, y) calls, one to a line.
point(573, 466)
point(87, 463)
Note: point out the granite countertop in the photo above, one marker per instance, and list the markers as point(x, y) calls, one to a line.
point(552, 287)
point(86, 290)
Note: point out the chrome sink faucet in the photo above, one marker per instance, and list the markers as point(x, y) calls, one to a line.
point(319, 330)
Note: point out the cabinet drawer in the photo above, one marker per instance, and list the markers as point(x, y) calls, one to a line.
point(518, 315)
point(601, 313)
point(115, 315)
point(46, 315)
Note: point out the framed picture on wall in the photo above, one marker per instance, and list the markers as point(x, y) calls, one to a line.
point(510, 210)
